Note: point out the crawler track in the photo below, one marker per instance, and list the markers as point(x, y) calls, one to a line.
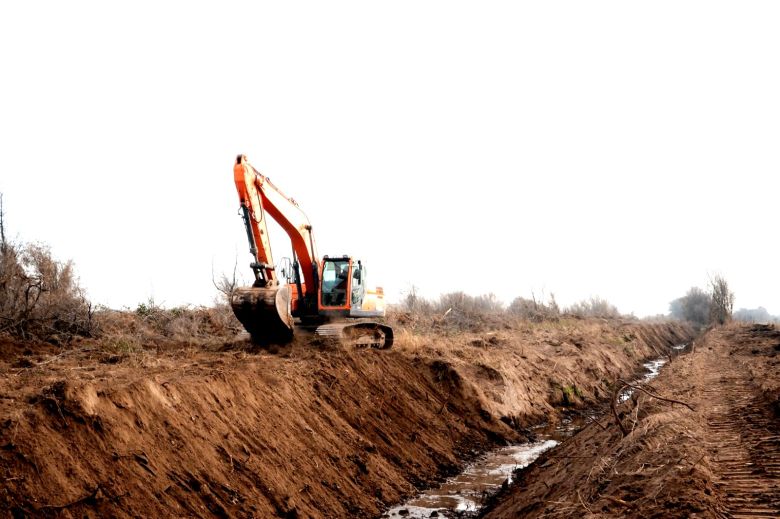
point(744, 442)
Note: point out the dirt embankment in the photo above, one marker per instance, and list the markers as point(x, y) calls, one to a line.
point(721, 459)
point(308, 431)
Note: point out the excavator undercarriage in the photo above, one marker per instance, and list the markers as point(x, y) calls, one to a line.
point(365, 334)
point(265, 314)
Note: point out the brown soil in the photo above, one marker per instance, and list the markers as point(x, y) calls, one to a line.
point(720, 460)
point(107, 428)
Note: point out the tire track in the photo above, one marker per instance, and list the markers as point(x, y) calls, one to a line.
point(744, 443)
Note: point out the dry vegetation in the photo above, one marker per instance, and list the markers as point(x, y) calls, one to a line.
point(150, 324)
point(40, 296)
point(458, 311)
point(704, 308)
point(40, 299)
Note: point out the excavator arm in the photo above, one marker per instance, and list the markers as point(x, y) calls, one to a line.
point(259, 199)
point(265, 308)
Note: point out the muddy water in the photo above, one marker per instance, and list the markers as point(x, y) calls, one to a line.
point(467, 491)
point(653, 369)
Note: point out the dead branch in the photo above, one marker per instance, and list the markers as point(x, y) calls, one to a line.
point(671, 400)
point(593, 420)
point(225, 285)
point(622, 384)
point(583, 502)
point(615, 500)
point(636, 415)
point(444, 405)
point(613, 407)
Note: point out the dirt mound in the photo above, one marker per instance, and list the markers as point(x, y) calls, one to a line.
point(310, 431)
point(321, 434)
point(722, 458)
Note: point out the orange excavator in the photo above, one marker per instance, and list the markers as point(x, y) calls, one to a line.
point(327, 296)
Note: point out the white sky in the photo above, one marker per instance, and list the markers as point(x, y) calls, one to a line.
point(618, 149)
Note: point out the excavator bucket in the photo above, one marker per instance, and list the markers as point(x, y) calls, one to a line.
point(265, 313)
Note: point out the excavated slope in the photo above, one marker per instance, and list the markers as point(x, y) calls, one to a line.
point(309, 431)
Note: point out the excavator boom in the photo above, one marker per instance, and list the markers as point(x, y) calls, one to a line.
point(258, 198)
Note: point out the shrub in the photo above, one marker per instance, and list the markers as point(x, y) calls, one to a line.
point(415, 304)
point(454, 310)
point(534, 310)
point(39, 296)
point(462, 303)
point(593, 307)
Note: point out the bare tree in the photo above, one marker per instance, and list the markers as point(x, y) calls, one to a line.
point(226, 285)
point(414, 303)
point(694, 306)
point(40, 296)
point(722, 300)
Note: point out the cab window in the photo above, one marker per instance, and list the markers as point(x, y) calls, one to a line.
point(335, 275)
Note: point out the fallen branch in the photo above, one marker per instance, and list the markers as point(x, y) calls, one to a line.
point(593, 420)
point(636, 415)
point(583, 502)
point(640, 388)
point(444, 405)
point(613, 407)
point(622, 384)
point(615, 500)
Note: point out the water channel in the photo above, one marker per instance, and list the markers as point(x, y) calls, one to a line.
point(468, 490)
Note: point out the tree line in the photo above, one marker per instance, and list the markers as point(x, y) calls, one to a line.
point(705, 307)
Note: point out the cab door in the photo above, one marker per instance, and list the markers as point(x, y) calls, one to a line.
point(336, 292)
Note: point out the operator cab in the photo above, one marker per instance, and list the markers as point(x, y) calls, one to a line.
point(343, 283)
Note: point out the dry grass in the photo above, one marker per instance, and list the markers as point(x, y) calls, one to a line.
point(150, 326)
point(566, 362)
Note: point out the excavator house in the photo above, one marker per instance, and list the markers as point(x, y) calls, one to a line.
point(327, 296)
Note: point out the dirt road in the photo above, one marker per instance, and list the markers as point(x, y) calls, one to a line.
point(720, 460)
point(743, 430)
